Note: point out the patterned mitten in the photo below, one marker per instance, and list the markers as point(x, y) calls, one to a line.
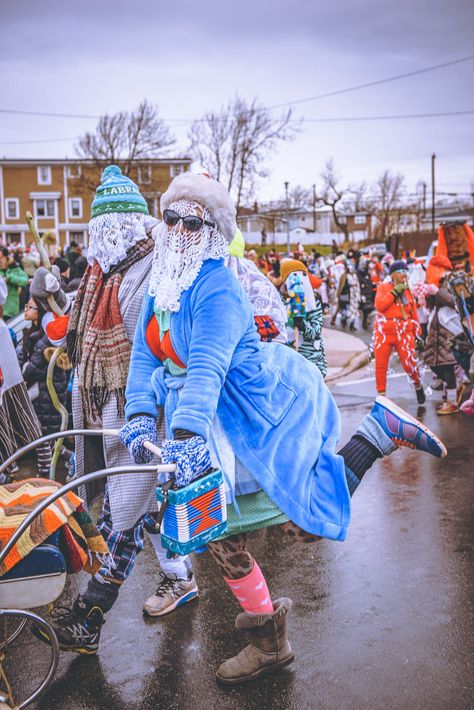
point(399, 289)
point(191, 457)
point(134, 434)
point(47, 283)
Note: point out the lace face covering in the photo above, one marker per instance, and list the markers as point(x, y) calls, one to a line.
point(263, 296)
point(111, 237)
point(180, 254)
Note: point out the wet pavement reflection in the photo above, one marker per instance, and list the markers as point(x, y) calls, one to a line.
point(383, 620)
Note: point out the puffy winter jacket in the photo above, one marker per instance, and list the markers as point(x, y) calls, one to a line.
point(437, 350)
point(395, 308)
point(15, 278)
point(35, 369)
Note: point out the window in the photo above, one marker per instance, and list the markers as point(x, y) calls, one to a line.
point(12, 205)
point(177, 170)
point(144, 174)
point(45, 208)
point(359, 219)
point(75, 207)
point(44, 175)
point(78, 237)
point(342, 218)
point(12, 238)
point(74, 171)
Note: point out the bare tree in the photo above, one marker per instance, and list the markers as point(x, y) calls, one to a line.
point(333, 194)
point(300, 197)
point(389, 197)
point(126, 137)
point(234, 144)
point(360, 199)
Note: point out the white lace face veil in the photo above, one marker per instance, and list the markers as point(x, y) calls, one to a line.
point(180, 254)
point(112, 235)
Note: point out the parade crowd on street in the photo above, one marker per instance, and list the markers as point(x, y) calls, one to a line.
point(175, 335)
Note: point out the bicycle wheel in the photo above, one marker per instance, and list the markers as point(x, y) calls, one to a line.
point(24, 617)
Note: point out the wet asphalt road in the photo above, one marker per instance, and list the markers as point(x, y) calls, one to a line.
point(383, 620)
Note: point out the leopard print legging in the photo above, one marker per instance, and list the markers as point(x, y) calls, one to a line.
point(233, 558)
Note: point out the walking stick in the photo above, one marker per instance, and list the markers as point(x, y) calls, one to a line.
point(58, 351)
point(296, 336)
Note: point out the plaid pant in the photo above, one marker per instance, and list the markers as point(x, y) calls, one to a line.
point(124, 546)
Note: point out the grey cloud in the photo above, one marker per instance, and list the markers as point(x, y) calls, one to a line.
point(148, 29)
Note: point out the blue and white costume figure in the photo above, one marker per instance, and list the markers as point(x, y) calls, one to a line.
point(261, 409)
point(262, 393)
point(259, 394)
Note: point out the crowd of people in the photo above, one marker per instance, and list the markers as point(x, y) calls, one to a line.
point(175, 338)
point(26, 353)
point(411, 307)
point(19, 264)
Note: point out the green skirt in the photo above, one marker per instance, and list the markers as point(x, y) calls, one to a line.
point(257, 511)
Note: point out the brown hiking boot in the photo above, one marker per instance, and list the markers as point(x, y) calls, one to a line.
point(268, 651)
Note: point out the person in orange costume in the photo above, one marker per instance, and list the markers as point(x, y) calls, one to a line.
point(456, 242)
point(396, 326)
point(438, 266)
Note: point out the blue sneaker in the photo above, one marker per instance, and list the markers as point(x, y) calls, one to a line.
point(405, 430)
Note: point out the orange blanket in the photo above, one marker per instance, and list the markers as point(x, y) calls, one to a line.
point(20, 498)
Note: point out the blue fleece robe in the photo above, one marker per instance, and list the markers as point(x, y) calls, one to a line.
point(278, 414)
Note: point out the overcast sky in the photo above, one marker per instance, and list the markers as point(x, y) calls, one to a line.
point(91, 57)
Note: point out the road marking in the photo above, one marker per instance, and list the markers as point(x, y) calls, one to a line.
point(368, 379)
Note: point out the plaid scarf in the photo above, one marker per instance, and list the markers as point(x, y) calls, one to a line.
point(97, 341)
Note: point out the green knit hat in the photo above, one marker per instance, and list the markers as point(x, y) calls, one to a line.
point(117, 193)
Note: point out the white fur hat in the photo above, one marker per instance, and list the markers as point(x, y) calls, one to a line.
point(207, 192)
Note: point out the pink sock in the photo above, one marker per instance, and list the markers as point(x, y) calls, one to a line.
point(252, 592)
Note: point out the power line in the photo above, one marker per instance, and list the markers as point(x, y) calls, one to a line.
point(386, 118)
point(368, 84)
point(334, 119)
point(397, 77)
point(44, 113)
point(41, 140)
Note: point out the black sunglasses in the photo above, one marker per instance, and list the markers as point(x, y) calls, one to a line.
point(192, 223)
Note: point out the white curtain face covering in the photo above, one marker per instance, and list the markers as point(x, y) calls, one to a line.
point(111, 236)
point(180, 254)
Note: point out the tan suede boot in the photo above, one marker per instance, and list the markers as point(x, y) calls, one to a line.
point(268, 651)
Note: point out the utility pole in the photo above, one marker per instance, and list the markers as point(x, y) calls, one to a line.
point(314, 208)
point(424, 200)
point(433, 195)
point(287, 218)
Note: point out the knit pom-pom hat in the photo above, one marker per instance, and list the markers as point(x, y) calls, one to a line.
point(289, 265)
point(398, 265)
point(207, 192)
point(117, 193)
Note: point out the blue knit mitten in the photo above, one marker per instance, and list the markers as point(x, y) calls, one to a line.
point(191, 457)
point(135, 433)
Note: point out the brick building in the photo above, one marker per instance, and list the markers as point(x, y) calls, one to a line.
point(59, 193)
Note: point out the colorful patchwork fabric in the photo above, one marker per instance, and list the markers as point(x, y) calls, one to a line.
point(85, 548)
point(266, 328)
point(18, 499)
